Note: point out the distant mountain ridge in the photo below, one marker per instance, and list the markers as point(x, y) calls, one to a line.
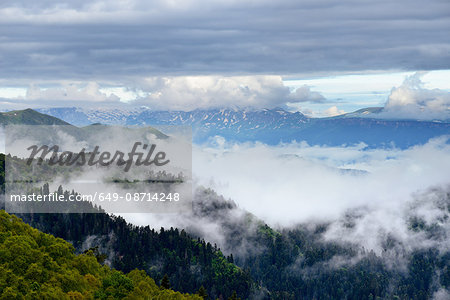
point(29, 117)
point(82, 117)
point(361, 113)
point(222, 118)
point(271, 126)
point(86, 133)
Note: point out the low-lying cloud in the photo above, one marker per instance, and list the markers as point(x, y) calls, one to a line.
point(295, 182)
point(366, 195)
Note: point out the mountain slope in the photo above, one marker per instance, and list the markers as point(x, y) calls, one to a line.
point(82, 117)
point(29, 117)
point(299, 262)
point(189, 263)
point(32, 117)
point(373, 132)
point(278, 126)
point(293, 263)
point(363, 112)
point(39, 266)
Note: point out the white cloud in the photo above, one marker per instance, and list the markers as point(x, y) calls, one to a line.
point(69, 92)
point(294, 182)
point(304, 94)
point(333, 111)
point(125, 94)
point(63, 94)
point(441, 294)
point(412, 100)
point(166, 93)
point(191, 92)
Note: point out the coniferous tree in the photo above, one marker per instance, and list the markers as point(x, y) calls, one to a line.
point(165, 282)
point(202, 292)
point(234, 296)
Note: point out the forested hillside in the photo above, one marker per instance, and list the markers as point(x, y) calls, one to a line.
point(189, 263)
point(294, 263)
point(35, 265)
point(260, 262)
point(301, 263)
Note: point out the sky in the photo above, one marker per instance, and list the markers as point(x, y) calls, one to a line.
point(320, 57)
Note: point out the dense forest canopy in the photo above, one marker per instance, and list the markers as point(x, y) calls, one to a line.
point(35, 265)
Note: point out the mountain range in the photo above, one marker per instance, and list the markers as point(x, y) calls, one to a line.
point(270, 126)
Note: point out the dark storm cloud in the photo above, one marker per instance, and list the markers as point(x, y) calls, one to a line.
point(48, 39)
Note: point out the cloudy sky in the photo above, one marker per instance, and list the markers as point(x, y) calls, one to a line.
point(259, 53)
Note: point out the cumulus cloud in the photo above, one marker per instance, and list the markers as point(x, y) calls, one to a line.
point(191, 92)
point(69, 92)
point(333, 111)
point(412, 101)
point(63, 95)
point(168, 93)
point(304, 94)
